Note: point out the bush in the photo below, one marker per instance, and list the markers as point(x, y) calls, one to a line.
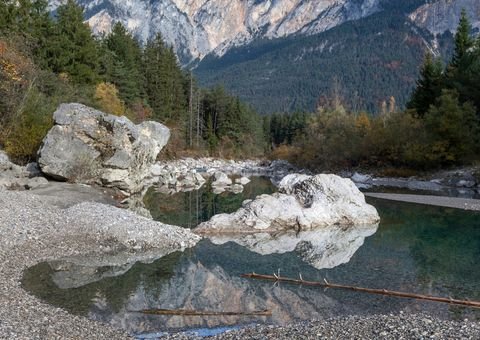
point(22, 137)
point(106, 95)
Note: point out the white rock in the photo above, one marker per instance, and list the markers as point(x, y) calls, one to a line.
point(235, 188)
point(242, 180)
point(304, 203)
point(360, 178)
point(220, 179)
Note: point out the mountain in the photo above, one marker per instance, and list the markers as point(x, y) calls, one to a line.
point(443, 15)
point(368, 60)
point(198, 27)
point(283, 55)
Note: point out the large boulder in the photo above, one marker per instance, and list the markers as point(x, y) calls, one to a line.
point(88, 146)
point(303, 203)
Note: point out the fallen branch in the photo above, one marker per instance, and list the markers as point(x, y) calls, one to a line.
point(326, 284)
point(187, 312)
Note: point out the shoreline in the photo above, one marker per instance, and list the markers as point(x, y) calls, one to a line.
point(438, 201)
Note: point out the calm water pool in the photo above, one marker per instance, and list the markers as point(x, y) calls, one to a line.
point(416, 248)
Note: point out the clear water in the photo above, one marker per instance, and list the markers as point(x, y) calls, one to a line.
point(418, 249)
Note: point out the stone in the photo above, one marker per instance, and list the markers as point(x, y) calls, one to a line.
point(242, 180)
point(4, 157)
point(33, 169)
point(15, 177)
point(89, 146)
point(235, 188)
point(303, 203)
point(156, 170)
point(360, 178)
point(221, 179)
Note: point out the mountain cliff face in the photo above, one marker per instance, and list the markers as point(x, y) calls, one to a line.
point(443, 15)
point(198, 27)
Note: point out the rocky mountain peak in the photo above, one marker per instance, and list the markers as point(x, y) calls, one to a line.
point(198, 27)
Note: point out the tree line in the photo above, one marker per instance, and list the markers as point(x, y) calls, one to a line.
point(439, 128)
point(46, 60)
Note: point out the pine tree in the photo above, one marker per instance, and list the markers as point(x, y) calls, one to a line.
point(428, 85)
point(73, 49)
point(124, 60)
point(164, 81)
point(463, 40)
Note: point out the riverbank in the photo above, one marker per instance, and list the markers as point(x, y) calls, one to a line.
point(33, 231)
point(439, 201)
point(400, 326)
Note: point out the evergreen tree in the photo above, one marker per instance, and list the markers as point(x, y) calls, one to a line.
point(122, 63)
point(73, 49)
point(428, 85)
point(453, 129)
point(463, 40)
point(164, 81)
point(6, 16)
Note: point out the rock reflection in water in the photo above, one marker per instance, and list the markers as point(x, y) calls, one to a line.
point(322, 248)
point(199, 280)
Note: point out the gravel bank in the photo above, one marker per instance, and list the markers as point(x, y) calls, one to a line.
point(440, 201)
point(402, 326)
point(34, 231)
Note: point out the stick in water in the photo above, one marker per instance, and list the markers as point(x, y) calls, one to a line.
point(187, 312)
point(325, 284)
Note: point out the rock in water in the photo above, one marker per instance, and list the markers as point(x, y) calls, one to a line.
point(303, 203)
point(221, 179)
point(87, 146)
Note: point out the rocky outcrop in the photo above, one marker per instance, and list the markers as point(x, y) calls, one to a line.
point(88, 146)
point(443, 15)
point(302, 203)
point(13, 176)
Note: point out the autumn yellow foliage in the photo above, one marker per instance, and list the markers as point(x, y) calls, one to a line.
point(106, 94)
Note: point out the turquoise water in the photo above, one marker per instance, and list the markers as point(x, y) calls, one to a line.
point(419, 249)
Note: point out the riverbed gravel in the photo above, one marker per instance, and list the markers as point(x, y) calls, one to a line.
point(33, 230)
point(399, 326)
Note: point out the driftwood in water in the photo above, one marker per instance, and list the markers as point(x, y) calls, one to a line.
point(187, 312)
point(325, 284)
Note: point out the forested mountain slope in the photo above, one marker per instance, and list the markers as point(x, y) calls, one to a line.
point(365, 61)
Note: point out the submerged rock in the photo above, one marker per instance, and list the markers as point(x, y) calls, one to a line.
point(303, 203)
point(87, 145)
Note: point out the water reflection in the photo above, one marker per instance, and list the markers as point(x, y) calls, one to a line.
point(188, 209)
point(322, 247)
point(416, 249)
